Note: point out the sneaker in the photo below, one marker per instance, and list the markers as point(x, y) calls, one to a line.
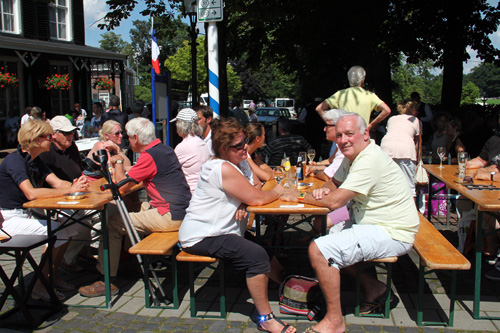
point(494, 274)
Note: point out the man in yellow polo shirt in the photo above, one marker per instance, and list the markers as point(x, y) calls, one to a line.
point(381, 207)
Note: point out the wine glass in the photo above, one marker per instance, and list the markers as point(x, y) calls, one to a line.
point(278, 174)
point(311, 153)
point(441, 151)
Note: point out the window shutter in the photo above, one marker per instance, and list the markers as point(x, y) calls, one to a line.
point(78, 22)
point(42, 20)
point(28, 18)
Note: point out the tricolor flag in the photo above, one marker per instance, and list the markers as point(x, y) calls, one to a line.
point(155, 50)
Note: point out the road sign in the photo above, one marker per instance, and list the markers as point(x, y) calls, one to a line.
point(210, 10)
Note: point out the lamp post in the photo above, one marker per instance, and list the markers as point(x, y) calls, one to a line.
point(190, 10)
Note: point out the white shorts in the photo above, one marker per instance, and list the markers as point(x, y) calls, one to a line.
point(18, 222)
point(359, 243)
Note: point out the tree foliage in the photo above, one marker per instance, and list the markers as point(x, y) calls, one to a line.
point(319, 40)
point(486, 77)
point(470, 93)
point(179, 66)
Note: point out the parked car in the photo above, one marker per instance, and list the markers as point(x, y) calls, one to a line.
point(270, 115)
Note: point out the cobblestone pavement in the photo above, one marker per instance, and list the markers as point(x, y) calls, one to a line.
point(128, 312)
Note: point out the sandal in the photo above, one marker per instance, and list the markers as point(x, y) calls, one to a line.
point(270, 316)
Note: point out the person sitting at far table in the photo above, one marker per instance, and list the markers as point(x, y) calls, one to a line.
point(256, 134)
point(486, 167)
point(214, 222)
point(384, 216)
point(160, 171)
point(111, 135)
point(22, 174)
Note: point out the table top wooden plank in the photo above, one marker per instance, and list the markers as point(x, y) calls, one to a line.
point(96, 199)
point(486, 200)
point(276, 207)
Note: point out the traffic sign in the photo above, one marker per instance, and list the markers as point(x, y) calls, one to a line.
point(210, 10)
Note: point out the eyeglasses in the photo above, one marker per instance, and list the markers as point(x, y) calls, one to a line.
point(66, 133)
point(118, 133)
point(329, 125)
point(47, 136)
point(240, 145)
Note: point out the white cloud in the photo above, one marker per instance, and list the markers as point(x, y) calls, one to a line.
point(94, 11)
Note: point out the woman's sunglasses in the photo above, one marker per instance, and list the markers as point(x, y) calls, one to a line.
point(240, 145)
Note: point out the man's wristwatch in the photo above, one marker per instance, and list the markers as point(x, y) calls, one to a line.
point(302, 196)
point(119, 162)
point(492, 174)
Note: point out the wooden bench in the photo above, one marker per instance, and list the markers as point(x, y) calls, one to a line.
point(436, 253)
point(191, 259)
point(158, 244)
point(387, 262)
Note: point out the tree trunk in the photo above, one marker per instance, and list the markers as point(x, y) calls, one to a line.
point(452, 81)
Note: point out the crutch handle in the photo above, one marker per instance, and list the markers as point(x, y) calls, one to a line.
point(104, 187)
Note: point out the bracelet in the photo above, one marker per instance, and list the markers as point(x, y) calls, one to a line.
point(302, 196)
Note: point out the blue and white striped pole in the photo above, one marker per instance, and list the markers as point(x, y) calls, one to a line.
point(213, 67)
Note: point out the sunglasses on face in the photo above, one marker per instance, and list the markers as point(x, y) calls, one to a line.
point(118, 133)
point(240, 145)
point(329, 125)
point(66, 133)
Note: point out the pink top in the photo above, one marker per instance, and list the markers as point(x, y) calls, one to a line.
point(192, 152)
point(399, 140)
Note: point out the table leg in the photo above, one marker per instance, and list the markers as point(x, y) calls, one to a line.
point(105, 247)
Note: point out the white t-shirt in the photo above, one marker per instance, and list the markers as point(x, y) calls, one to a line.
point(383, 195)
point(211, 211)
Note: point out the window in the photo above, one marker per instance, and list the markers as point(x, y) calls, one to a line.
point(59, 19)
point(9, 16)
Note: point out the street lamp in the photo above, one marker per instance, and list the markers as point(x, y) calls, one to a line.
point(190, 10)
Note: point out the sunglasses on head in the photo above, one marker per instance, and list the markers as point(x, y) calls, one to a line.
point(240, 145)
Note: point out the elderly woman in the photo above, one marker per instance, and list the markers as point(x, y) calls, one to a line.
point(212, 225)
point(256, 134)
point(21, 175)
point(192, 152)
point(402, 139)
point(111, 135)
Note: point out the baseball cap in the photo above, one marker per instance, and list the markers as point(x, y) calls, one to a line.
point(61, 123)
point(186, 114)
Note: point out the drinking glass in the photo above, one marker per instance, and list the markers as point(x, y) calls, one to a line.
point(311, 153)
point(278, 174)
point(462, 158)
point(441, 151)
point(292, 178)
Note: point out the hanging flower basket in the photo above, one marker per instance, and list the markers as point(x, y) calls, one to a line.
point(103, 83)
point(58, 81)
point(8, 79)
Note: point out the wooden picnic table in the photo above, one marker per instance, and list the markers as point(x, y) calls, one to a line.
point(95, 200)
point(485, 201)
point(280, 207)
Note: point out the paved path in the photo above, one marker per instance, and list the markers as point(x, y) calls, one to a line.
point(128, 312)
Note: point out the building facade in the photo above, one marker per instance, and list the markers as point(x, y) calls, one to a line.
point(45, 39)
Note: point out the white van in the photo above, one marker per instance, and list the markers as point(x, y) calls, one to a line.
point(287, 103)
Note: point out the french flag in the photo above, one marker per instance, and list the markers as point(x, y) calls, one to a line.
point(155, 50)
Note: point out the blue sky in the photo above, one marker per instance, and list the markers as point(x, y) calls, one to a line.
point(96, 9)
